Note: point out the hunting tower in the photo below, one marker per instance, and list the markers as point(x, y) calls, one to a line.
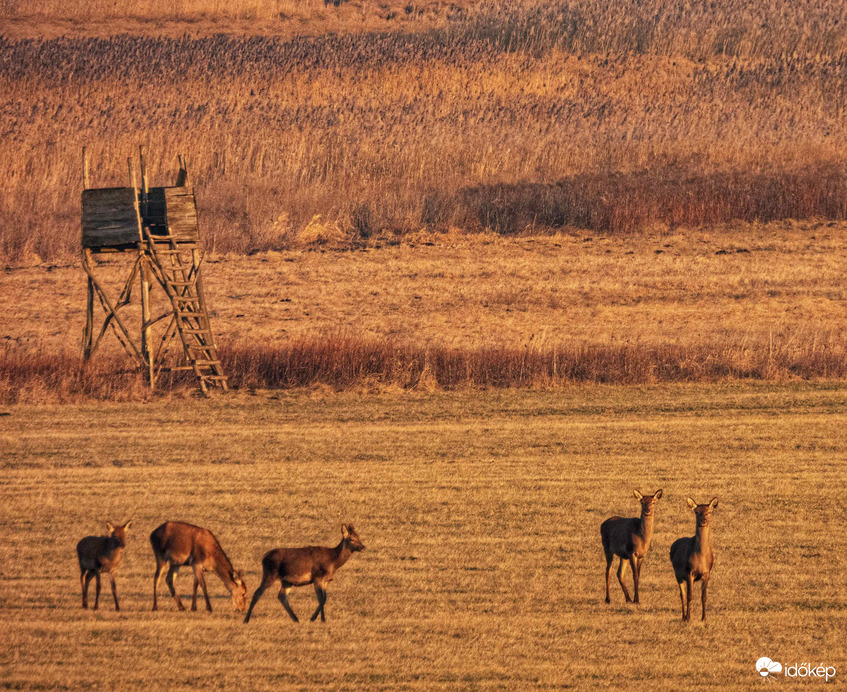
point(156, 229)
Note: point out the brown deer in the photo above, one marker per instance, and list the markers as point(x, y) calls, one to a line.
point(303, 566)
point(692, 558)
point(630, 540)
point(101, 554)
point(176, 544)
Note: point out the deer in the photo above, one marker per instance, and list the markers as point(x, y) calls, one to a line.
point(98, 554)
point(304, 566)
point(630, 540)
point(176, 544)
point(692, 558)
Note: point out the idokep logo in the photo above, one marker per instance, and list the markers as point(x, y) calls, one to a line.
point(770, 669)
point(767, 667)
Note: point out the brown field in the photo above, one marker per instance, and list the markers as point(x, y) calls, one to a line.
point(481, 515)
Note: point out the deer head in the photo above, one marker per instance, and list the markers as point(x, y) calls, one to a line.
point(351, 538)
point(703, 512)
point(118, 531)
point(648, 502)
point(239, 592)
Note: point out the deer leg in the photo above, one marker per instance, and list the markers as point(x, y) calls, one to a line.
point(283, 598)
point(621, 573)
point(703, 596)
point(85, 578)
point(194, 592)
point(267, 580)
point(157, 579)
point(198, 576)
point(609, 558)
point(682, 597)
point(689, 587)
point(114, 590)
point(320, 592)
point(636, 573)
point(96, 589)
point(169, 580)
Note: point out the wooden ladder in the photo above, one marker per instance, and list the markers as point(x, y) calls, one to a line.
point(177, 268)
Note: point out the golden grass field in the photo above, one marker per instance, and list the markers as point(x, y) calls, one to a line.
point(721, 284)
point(742, 301)
point(481, 515)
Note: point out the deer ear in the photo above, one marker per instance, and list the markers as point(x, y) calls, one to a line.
point(657, 495)
point(127, 524)
point(344, 531)
point(110, 527)
point(713, 503)
point(637, 494)
point(691, 503)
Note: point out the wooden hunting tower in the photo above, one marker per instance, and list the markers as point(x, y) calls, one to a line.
point(157, 227)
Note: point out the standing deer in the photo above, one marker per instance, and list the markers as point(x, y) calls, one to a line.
point(630, 540)
point(101, 554)
point(303, 566)
point(692, 558)
point(176, 544)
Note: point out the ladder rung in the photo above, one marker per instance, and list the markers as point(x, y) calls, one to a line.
point(180, 277)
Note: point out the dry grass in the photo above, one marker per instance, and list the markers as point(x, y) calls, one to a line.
point(514, 119)
point(481, 516)
point(448, 311)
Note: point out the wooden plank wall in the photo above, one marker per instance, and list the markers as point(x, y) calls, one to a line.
point(108, 216)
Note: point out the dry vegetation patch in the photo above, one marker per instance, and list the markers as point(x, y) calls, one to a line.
point(763, 302)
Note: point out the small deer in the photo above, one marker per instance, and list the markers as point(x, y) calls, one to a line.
point(630, 540)
point(176, 544)
point(692, 558)
point(303, 566)
point(101, 554)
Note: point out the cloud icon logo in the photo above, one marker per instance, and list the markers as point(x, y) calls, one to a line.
point(766, 667)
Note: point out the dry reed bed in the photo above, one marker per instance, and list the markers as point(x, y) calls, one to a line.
point(345, 362)
point(513, 120)
point(731, 27)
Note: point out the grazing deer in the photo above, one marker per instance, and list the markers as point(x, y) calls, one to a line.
point(692, 558)
point(303, 566)
point(176, 545)
point(101, 554)
point(630, 540)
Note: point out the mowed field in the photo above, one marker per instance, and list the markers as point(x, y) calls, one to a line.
point(780, 282)
point(480, 512)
